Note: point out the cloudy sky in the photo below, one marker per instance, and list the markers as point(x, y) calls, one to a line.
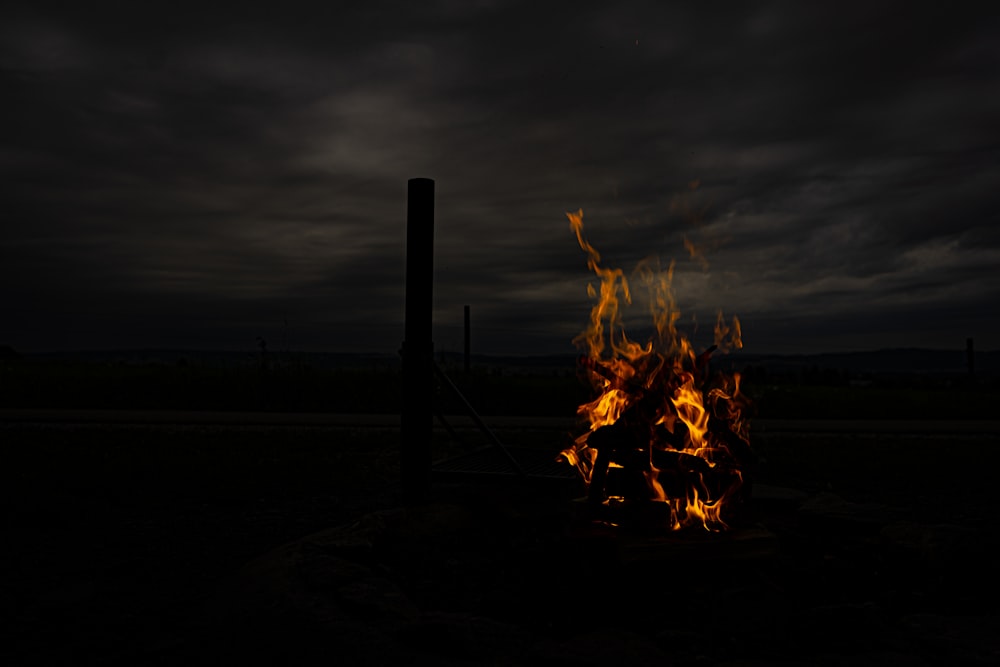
point(194, 176)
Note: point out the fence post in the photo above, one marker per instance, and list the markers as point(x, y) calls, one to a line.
point(417, 412)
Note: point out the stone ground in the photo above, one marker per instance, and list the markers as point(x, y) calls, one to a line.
point(485, 574)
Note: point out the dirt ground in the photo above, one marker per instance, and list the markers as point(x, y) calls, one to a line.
point(207, 544)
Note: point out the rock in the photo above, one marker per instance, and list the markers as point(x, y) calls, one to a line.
point(934, 544)
point(879, 659)
point(462, 636)
point(746, 543)
point(825, 509)
point(305, 599)
point(965, 640)
point(848, 627)
point(778, 495)
point(599, 647)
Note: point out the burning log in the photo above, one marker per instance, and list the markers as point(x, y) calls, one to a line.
point(736, 445)
point(618, 447)
point(635, 482)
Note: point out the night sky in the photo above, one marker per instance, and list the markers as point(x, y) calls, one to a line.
point(193, 177)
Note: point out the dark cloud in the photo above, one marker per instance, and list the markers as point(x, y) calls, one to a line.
point(199, 177)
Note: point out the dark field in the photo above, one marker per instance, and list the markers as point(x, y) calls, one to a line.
point(163, 544)
point(271, 532)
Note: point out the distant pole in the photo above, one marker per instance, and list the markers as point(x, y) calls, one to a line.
point(468, 344)
point(417, 414)
point(970, 357)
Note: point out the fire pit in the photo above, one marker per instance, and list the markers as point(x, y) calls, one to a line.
point(666, 445)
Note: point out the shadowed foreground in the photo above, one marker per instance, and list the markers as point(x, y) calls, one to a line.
point(217, 544)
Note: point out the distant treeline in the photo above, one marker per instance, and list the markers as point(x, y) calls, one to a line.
point(906, 363)
point(907, 385)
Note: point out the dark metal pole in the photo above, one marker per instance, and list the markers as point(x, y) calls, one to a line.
point(417, 414)
point(468, 345)
point(970, 357)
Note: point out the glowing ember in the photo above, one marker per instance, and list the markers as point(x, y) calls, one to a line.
point(662, 432)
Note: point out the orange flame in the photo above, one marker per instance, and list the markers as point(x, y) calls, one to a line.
point(675, 410)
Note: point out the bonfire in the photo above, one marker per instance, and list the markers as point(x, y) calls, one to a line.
point(663, 434)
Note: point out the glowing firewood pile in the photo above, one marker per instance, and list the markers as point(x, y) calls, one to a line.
point(666, 443)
